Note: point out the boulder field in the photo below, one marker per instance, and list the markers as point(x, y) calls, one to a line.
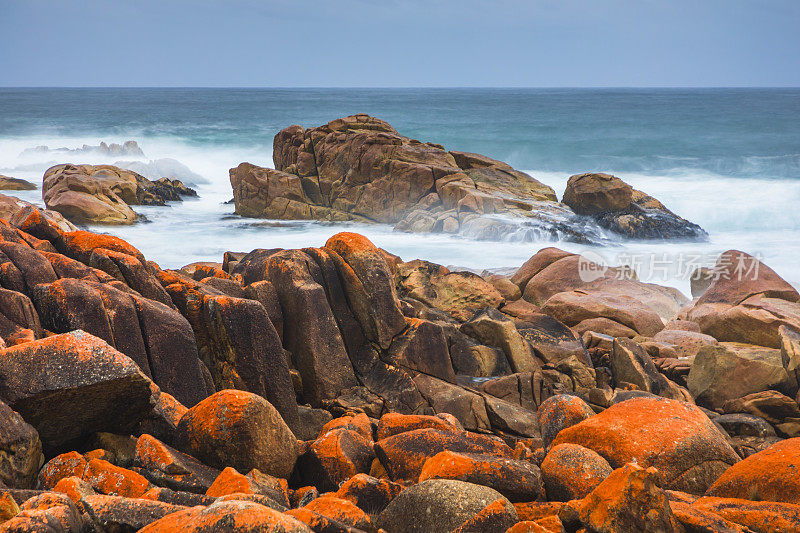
point(360, 168)
point(343, 389)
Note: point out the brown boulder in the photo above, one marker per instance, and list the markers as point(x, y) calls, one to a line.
point(588, 194)
point(731, 370)
point(15, 184)
point(95, 387)
point(88, 195)
point(20, 450)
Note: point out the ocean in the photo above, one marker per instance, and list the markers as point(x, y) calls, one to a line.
point(727, 159)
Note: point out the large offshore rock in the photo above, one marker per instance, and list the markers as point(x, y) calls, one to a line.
point(72, 385)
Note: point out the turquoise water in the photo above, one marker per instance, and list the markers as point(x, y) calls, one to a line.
point(728, 159)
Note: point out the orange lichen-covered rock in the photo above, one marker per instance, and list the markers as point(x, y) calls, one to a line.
point(370, 494)
point(229, 482)
point(74, 487)
point(529, 527)
point(559, 412)
point(404, 455)
point(80, 245)
point(628, 500)
point(696, 519)
point(359, 423)
point(8, 507)
point(340, 510)
point(514, 479)
point(393, 423)
point(761, 517)
point(114, 480)
point(165, 465)
point(232, 482)
point(570, 472)
point(230, 517)
point(497, 516)
point(60, 467)
point(239, 429)
point(677, 438)
point(440, 505)
point(535, 511)
point(48, 511)
point(95, 387)
point(318, 522)
point(369, 284)
point(769, 475)
point(115, 513)
point(335, 457)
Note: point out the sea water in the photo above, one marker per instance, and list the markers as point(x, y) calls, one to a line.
point(727, 159)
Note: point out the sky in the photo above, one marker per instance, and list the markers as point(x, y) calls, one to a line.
point(394, 43)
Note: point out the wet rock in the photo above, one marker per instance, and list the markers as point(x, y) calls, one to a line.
point(438, 505)
point(239, 429)
point(675, 437)
point(95, 387)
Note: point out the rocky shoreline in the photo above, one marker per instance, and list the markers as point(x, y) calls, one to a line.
point(342, 388)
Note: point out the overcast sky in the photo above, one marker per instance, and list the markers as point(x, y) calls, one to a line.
point(394, 43)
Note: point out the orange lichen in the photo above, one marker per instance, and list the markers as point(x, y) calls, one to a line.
point(74, 487)
point(340, 510)
point(394, 423)
point(230, 481)
point(114, 480)
point(359, 423)
point(60, 467)
point(770, 475)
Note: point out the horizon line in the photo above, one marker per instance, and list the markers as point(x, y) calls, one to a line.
point(399, 87)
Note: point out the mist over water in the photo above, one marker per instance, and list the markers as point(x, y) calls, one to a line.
point(727, 159)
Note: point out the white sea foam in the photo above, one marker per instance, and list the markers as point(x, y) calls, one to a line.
point(757, 215)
